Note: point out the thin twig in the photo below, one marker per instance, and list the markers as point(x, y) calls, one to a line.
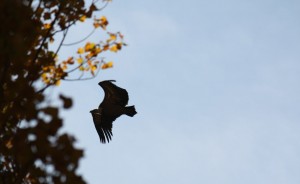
point(44, 88)
point(67, 27)
point(89, 78)
point(82, 73)
point(80, 77)
point(76, 67)
point(74, 43)
point(61, 42)
point(100, 9)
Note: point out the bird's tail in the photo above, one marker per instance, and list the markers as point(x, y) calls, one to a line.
point(130, 111)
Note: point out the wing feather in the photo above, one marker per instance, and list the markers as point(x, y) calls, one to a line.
point(102, 125)
point(114, 94)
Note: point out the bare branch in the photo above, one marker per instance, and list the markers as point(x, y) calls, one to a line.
point(61, 42)
point(72, 70)
point(100, 9)
point(67, 27)
point(81, 79)
point(44, 88)
point(74, 43)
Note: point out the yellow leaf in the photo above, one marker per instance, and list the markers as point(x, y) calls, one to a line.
point(96, 24)
point(107, 65)
point(80, 50)
point(70, 61)
point(112, 37)
point(89, 62)
point(45, 68)
point(89, 46)
point(94, 67)
point(79, 60)
point(82, 18)
point(47, 26)
point(103, 25)
point(114, 48)
point(81, 68)
point(64, 67)
point(97, 50)
point(57, 83)
point(103, 19)
point(47, 81)
point(90, 55)
point(44, 75)
point(45, 78)
point(102, 22)
point(105, 47)
point(119, 45)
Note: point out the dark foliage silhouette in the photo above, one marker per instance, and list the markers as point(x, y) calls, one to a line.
point(32, 147)
point(112, 107)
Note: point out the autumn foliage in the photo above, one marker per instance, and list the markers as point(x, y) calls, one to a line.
point(31, 149)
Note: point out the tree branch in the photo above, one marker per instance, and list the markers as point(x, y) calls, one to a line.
point(67, 27)
point(100, 9)
point(81, 79)
point(61, 42)
point(44, 88)
point(74, 43)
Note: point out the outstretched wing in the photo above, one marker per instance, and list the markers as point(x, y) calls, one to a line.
point(114, 94)
point(103, 125)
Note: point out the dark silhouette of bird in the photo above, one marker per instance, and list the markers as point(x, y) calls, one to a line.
point(112, 107)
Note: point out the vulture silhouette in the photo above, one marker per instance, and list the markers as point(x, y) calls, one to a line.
point(112, 107)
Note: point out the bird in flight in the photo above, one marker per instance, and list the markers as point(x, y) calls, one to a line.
point(112, 107)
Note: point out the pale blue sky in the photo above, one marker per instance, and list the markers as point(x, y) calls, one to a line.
point(216, 85)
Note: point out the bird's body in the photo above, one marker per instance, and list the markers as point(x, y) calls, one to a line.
point(112, 107)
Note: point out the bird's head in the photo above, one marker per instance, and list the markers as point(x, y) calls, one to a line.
point(104, 82)
point(93, 111)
